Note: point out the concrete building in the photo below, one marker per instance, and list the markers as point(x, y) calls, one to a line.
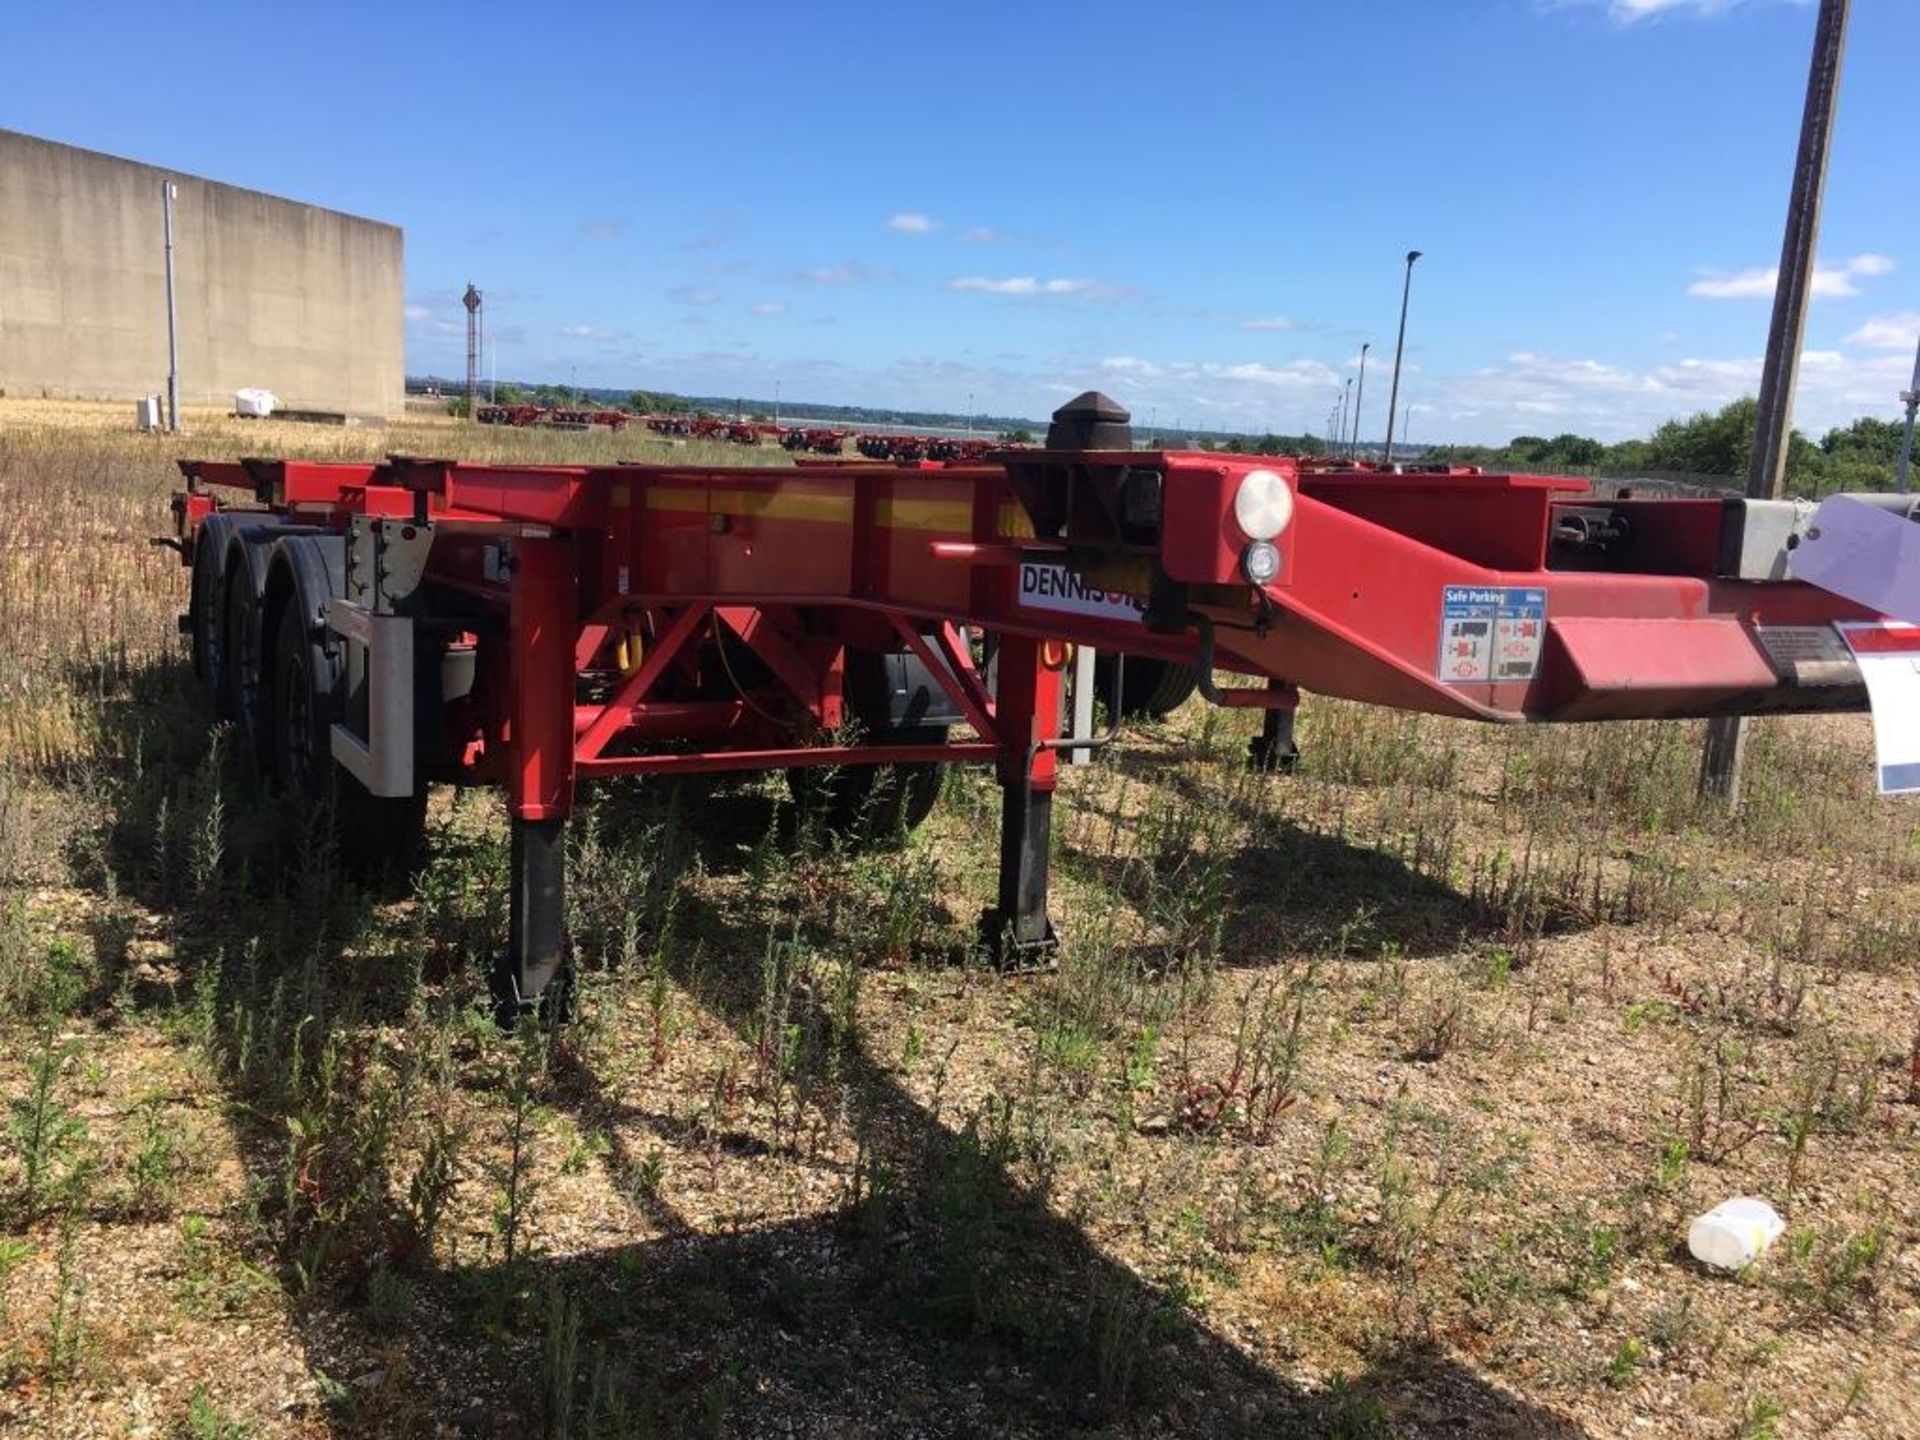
point(307, 303)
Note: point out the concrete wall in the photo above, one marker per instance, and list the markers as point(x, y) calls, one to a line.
point(304, 302)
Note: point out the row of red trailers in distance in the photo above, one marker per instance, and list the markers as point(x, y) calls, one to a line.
point(823, 440)
point(522, 416)
point(809, 439)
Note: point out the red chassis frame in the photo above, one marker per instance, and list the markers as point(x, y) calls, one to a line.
point(604, 606)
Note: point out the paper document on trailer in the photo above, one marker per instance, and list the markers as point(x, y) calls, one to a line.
point(1888, 653)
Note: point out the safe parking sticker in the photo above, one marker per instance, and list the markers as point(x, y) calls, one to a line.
point(1490, 635)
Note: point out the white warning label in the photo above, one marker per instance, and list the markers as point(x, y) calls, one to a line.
point(1055, 587)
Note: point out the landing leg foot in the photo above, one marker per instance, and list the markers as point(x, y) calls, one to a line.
point(1016, 932)
point(532, 976)
point(1273, 749)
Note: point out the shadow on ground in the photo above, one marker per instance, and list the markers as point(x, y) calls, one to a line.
point(1299, 891)
point(942, 1298)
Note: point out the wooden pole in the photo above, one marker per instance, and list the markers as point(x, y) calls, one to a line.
point(1773, 423)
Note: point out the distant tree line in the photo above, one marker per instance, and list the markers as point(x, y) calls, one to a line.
point(1860, 456)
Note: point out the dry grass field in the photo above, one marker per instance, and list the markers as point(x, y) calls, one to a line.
point(1371, 1100)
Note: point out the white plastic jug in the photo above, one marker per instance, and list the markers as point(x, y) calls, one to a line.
point(1735, 1233)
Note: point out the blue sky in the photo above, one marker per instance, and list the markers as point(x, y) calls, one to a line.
point(1200, 208)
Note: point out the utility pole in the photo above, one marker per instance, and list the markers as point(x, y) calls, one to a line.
point(1360, 398)
point(173, 328)
point(1773, 424)
point(1911, 399)
point(1399, 348)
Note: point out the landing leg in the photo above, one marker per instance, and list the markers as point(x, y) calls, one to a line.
point(1017, 932)
point(532, 973)
point(1274, 748)
point(541, 627)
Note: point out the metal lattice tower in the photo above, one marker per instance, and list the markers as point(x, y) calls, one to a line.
point(472, 301)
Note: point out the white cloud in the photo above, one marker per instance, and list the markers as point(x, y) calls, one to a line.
point(1033, 287)
point(607, 228)
point(769, 307)
point(1829, 283)
point(981, 235)
point(850, 272)
point(1531, 392)
point(1291, 376)
point(911, 222)
point(1271, 322)
point(1888, 332)
point(687, 295)
point(600, 334)
point(1628, 12)
point(1213, 383)
point(431, 323)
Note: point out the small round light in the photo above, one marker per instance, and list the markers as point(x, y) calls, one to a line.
point(1260, 561)
point(1263, 505)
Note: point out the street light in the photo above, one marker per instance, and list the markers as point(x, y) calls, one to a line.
point(1346, 396)
point(1399, 347)
point(1360, 397)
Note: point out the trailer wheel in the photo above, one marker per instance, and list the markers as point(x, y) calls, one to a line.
point(244, 687)
point(379, 837)
point(874, 805)
point(205, 617)
point(1151, 689)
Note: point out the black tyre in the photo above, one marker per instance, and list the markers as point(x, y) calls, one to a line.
point(1149, 689)
point(377, 836)
point(873, 805)
point(206, 616)
point(245, 687)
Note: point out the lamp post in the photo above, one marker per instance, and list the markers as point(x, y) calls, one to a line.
point(1346, 405)
point(1360, 398)
point(1399, 348)
point(173, 329)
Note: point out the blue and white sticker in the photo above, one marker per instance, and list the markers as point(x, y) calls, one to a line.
point(1491, 635)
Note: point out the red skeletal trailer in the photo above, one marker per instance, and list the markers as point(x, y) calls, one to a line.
point(369, 628)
